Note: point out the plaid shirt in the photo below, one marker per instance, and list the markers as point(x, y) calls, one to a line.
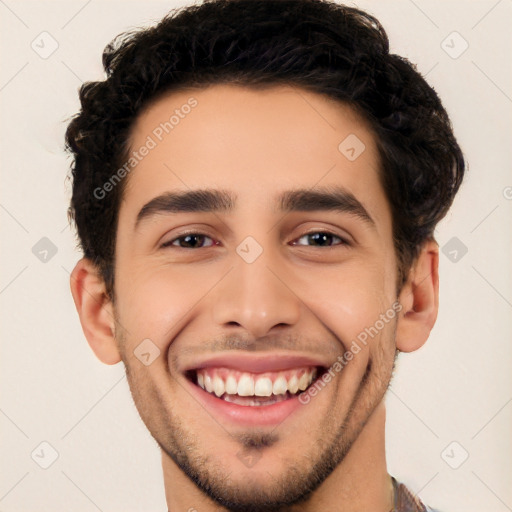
point(406, 501)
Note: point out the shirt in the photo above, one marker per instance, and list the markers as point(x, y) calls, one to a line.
point(406, 501)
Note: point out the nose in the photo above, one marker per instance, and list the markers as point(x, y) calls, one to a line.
point(256, 296)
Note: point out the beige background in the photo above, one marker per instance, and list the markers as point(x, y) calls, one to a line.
point(457, 388)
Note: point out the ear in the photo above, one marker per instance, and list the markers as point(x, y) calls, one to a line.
point(95, 310)
point(420, 300)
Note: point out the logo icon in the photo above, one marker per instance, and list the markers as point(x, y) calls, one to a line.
point(249, 250)
point(454, 249)
point(44, 250)
point(146, 352)
point(454, 45)
point(351, 147)
point(44, 455)
point(249, 458)
point(454, 455)
point(45, 45)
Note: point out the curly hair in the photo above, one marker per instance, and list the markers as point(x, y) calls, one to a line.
point(322, 46)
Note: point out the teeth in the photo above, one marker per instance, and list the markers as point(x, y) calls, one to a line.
point(293, 384)
point(263, 387)
point(231, 385)
point(223, 382)
point(280, 386)
point(253, 402)
point(245, 385)
point(304, 382)
point(218, 386)
point(208, 385)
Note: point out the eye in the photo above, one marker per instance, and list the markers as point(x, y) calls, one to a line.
point(189, 241)
point(320, 239)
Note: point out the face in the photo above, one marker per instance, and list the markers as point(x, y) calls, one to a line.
point(251, 292)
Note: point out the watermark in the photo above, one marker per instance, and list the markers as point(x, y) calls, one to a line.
point(45, 45)
point(249, 249)
point(348, 355)
point(44, 250)
point(352, 147)
point(146, 352)
point(455, 455)
point(151, 142)
point(454, 249)
point(454, 45)
point(44, 455)
point(249, 458)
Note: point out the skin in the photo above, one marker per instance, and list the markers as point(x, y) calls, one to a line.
point(297, 298)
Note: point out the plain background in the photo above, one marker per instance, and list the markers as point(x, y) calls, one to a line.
point(449, 400)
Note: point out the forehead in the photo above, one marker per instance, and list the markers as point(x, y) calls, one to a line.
point(253, 142)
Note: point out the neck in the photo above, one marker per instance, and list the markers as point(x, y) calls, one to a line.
point(359, 482)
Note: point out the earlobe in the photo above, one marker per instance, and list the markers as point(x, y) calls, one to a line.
point(420, 300)
point(95, 310)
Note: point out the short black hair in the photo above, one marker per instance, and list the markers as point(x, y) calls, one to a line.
point(322, 46)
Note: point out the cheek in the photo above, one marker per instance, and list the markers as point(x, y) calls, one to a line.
point(347, 299)
point(156, 301)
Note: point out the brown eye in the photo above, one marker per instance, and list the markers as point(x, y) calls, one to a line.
point(320, 239)
point(189, 241)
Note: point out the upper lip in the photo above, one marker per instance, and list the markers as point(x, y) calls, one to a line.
point(256, 363)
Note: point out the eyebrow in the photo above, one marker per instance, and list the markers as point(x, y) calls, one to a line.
point(336, 199)
point(298, 200)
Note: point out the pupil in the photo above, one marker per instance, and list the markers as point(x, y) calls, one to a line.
point(186, 240)
point(320, 237)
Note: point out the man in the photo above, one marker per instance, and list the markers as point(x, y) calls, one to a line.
point(255, 189)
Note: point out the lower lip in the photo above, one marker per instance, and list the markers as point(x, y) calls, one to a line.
point(263, 415)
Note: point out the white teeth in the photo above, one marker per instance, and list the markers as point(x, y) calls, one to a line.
point(254, 402)
point(208, 385)
point(245, 385)
point(218, 386)
point(280, 386)
point(263, 387)
point(223, 382)
point(231, 385)
point(293, 384)
point(304, 382)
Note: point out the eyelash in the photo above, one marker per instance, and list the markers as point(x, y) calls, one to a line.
point(170, 243)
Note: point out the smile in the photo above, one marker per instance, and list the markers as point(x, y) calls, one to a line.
point(250, 389)
point(253, 390)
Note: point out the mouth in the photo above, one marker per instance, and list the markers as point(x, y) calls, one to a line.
point(249, 389)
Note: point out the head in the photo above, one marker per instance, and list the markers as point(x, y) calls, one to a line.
point(255, 189)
